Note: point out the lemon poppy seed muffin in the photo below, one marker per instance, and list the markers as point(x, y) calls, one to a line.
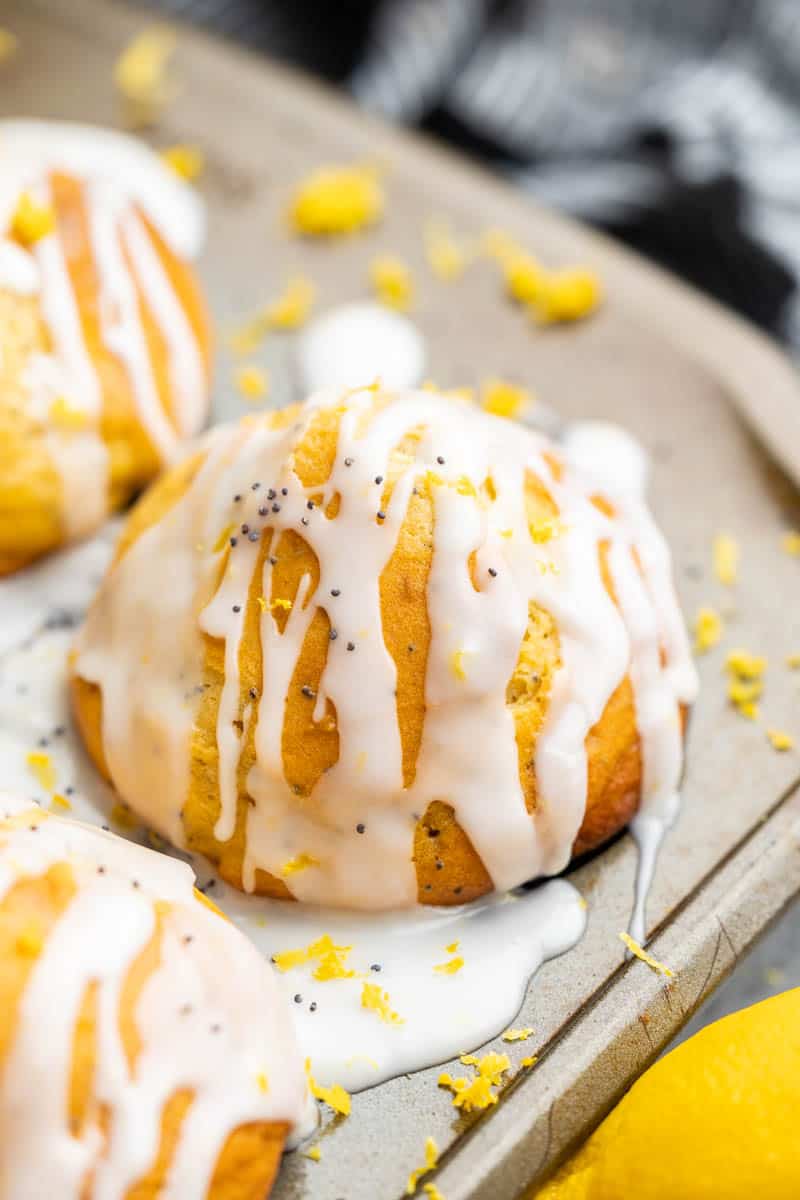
point(145, 1050)
point(385, 648)
point(105, 360)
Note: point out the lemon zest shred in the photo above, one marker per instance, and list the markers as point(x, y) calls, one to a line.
point(451, 967)
point(40, 765)
point(252, 382)
point(517, 1035)
point(432, 1191)
point(60, 803)
point(745, 665)
point(639, 952)
point(334, 1096)
point(31, 221)
point(790, 542)
point(188, 162)
point(262, 1083)
point(725, 558)
point(301, 863)
point(530, 1061)
point(330, 959)
point(375, 999)
point(64, 416)
point(504, 399)
point(708, 629)
point(447, 257)
point(451, 949)
point(431, 1161)
point(780, 739)
point(567, 295)
point(392, 282)
point(337, 200)
point(142, 74)
point(457, 664)
point(314, 1153)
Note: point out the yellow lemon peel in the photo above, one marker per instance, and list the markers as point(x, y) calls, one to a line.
point(431, 1161)
point(517, 1035)
point(60, 803)
point(262, 1083)
point(376, 1000)
point(334, 1096)
point(290, 310)
point(567, 295)
point(745, 684)
point(31, 221)
point(447, 257)
point(337, 200)
point(791, 542)
point(725, 558)
point(642, 954)
point(504, 399)
point(314, 1153)
point(457, 664)
point(142, 74)
point(252, 382)
point(708, 630)
point(780, 740)
point(40, 765)
point(451, 967)
point(65, 417)
point(188, 162)
point(301, 863)
point(330, 959)
point(392, 282)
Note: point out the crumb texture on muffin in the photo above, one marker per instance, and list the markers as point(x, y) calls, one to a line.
point(105, 338)
point(405, 653)
point(145, 1048)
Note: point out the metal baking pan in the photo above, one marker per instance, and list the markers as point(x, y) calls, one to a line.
point(660, 359)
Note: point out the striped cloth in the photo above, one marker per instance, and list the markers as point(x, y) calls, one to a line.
point(675, 125)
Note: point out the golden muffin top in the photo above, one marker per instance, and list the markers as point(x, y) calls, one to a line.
point(104, 331)
point(410, 602)
point(123, 994)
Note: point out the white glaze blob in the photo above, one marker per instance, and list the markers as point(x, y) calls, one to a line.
point(210, 1019)
point(468, 750)
point(352, 344)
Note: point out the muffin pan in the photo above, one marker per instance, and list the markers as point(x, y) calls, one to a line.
point(666, 363)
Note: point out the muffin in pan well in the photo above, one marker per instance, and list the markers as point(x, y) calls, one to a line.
point(145, 1046)
point(105, 338)
point(381, 649)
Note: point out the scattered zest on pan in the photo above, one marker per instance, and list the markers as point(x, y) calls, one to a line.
point(334, 1096)
point(337, 200)
point(142, 75)
point(638, 952)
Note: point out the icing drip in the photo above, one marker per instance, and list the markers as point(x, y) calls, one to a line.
point(210, 1019)
point(487, 570)
point(115, 172)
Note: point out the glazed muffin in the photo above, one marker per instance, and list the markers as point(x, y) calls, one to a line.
point(145, 1050)
point(105, 358)
point(406, 653)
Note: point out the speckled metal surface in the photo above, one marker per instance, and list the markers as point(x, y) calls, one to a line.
point(659, 359)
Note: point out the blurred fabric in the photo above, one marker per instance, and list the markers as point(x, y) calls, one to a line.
point(675, 126)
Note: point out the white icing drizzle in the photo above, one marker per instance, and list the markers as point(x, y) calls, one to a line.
point(116, 172)
point(468, 754)
point(210, 1019)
